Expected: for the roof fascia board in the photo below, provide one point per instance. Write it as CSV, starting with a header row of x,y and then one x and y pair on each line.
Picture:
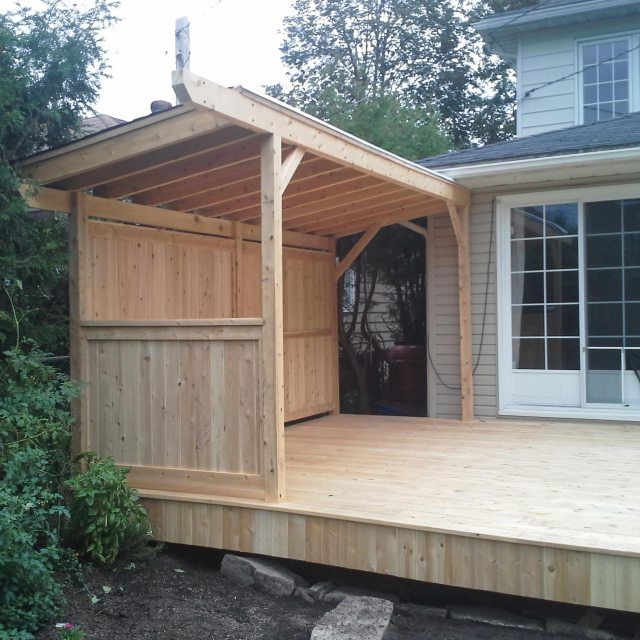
x,y
496,173
263,114
525,19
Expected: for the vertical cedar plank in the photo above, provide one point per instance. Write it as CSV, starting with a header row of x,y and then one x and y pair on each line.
x,y
79,304
460,221
272,312
333,344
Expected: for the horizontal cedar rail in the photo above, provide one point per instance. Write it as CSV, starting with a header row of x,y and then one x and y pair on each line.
x,y
147,330
238,485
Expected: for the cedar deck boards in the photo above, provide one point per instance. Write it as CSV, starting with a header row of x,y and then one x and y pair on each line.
x,y
546,510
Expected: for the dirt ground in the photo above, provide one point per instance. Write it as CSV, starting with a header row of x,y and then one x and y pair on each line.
x,y
179,593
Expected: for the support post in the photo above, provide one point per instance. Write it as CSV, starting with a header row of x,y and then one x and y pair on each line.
x,y
335,357
272,314
460,222
78,311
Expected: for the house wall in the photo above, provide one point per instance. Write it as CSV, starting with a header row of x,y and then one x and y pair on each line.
x,y
443,313
442,306
548,56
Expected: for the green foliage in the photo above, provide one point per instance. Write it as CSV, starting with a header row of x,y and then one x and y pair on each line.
x,y
410,132
34,438
106,519
52,63
424,52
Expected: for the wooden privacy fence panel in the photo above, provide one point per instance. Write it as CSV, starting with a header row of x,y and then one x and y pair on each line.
x,y
310,338
179,404
141,273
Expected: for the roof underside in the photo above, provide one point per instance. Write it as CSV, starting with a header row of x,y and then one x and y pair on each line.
x,y
195,161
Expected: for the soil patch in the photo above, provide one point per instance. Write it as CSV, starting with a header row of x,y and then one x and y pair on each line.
x,y
181,594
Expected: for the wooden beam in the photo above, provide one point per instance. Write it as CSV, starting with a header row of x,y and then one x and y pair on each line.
x,y
185,160
133,140
456,222
460,222
272,343
335,354
289,166
263,114
79,304
331,220
412,226
406,210
357,249
55,200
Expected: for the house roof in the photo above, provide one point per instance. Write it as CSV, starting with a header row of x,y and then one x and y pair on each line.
x,y
204,158
619,133
99,122
501,30
556,13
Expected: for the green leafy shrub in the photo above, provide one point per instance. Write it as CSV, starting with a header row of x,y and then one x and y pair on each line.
x,y
35,427
106,519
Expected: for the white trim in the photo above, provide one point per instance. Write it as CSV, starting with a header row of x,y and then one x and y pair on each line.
x,y
545,162
610,415
503,206
633,38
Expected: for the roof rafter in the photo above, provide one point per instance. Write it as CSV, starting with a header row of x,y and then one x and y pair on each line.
x,y
267,115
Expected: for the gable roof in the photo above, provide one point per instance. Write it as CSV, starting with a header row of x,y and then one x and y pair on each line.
x,y
619,133
556,13
502,30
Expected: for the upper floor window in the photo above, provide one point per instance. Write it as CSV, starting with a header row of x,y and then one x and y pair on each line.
x,y
605,80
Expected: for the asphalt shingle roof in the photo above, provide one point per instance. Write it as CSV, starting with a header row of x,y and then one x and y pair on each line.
x,y
611,134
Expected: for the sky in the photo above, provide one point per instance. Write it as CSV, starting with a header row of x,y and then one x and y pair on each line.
x,y
232,42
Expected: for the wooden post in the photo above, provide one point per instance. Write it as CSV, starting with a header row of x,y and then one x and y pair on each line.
x,y
78,311
335,357
272,314
238,271
460,222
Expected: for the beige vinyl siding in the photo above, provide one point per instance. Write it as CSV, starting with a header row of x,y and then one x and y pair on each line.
x,y
543,59
549,56
444,326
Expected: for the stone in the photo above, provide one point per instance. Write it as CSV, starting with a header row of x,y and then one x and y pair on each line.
x,y
305,594
494,617
319,590
560,627
355,618
264,575
591,619
337,595
599,634
420,611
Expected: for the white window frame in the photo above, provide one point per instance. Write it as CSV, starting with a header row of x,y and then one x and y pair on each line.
x,y
634,69
503,205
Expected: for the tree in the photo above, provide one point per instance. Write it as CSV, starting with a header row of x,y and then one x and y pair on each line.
x,y
52,63
423,52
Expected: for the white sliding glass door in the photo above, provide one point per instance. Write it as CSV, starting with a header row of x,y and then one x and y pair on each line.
x,y
570,302
545,309
612,296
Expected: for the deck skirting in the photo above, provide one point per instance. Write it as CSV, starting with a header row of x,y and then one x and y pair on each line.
x,y
551,573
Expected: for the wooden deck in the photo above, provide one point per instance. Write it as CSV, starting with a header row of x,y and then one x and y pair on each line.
x,y
546,510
